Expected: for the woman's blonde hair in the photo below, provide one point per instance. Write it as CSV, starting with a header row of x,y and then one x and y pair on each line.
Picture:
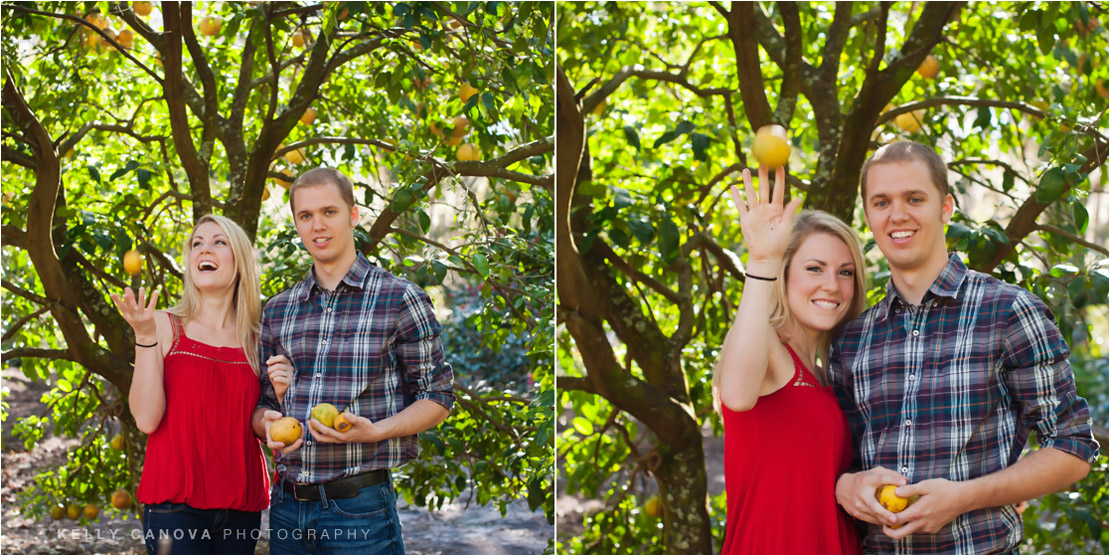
x,y
247,298
806,223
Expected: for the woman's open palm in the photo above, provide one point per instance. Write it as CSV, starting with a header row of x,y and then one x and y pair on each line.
x,y
765,223
138,312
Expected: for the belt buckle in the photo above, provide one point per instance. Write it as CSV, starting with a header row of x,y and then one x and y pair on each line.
x,y
295,496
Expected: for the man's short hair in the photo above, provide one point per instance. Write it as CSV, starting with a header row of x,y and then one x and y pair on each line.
x,y
907,151
324,176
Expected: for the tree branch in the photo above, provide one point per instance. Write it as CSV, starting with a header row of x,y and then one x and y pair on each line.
x,y
1072,237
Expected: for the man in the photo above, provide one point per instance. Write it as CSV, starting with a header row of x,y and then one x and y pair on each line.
x,y
944,379
366,341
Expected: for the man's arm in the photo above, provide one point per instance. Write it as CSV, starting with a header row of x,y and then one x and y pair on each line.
x,y
427,378
1038,377
1044,471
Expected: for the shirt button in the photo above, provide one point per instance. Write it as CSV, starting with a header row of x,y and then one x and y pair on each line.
x,y
898,310
909,422
905,470
317,374
329,309
324,341
916,333
913,377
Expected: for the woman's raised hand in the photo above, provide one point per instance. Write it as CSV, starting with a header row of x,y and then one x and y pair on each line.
x,y
138,313
765,223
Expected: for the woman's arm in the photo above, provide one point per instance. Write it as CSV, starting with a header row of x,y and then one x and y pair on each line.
x,y
147,397
746,353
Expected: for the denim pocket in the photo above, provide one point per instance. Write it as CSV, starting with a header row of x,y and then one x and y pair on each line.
x,y
371,502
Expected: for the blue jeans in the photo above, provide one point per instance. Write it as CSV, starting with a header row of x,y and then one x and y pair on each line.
x,y
366,524
183,530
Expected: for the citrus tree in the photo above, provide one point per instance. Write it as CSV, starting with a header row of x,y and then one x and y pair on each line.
x,y
123,123
657,105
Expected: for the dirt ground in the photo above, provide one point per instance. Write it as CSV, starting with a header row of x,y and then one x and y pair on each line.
x,y
455,529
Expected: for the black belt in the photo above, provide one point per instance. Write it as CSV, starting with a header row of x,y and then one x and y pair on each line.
x,y
340,488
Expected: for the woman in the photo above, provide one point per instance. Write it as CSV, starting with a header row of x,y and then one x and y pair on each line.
x,y
194,389
786,439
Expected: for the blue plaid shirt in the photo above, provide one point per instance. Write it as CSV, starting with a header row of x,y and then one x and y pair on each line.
x,y
370,347
952,388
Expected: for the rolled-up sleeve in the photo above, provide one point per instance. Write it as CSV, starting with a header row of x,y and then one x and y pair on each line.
x,y
427,375
1039,376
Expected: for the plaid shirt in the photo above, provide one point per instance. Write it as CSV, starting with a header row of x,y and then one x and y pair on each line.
x,y
951,389
370,347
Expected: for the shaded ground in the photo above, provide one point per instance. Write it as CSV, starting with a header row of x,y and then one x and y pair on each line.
x,y
456,529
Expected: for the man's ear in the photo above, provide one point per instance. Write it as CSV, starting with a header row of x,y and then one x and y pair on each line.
x,y
354,216
947,208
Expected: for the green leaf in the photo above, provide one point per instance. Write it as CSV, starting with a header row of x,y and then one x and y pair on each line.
x,y
487,101
621,198
481,264
402,199
124,170
425,221
1061,270
641,229
668,239
1052,185
144,176
699,143
583,426
632,136
1079,216
664,139
94,174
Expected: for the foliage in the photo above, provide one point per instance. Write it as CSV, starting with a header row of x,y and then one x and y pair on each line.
x,y
662,101
122,129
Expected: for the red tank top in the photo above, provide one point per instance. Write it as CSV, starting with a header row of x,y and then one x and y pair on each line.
x,y
204,452
782,459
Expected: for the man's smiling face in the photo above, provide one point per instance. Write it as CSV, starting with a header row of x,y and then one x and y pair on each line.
x,y
907,214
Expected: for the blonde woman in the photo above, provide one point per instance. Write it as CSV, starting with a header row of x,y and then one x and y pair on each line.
x,y
194,389
786,439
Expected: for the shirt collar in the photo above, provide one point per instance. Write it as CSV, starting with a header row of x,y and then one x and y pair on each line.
x,y
947,285
355,277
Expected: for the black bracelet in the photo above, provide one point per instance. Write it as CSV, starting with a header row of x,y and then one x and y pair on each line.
x,y
137,344
761,278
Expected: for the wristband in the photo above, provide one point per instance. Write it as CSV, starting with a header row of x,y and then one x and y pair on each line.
x,y
761,278
137,344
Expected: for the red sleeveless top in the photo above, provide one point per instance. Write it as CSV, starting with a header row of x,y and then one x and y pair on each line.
x,y
204,452
782,459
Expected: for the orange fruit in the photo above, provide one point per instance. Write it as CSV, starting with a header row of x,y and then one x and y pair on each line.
x,y
73,511
91,512
308,116
132,262
466,91
325,413
57,512
654,506
341,423
142,8
117,442
466,152
910,122
929,67
286,430
121,499
771,146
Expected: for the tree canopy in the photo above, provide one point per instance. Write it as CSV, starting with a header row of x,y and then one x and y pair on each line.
x,y
657,104
125,122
